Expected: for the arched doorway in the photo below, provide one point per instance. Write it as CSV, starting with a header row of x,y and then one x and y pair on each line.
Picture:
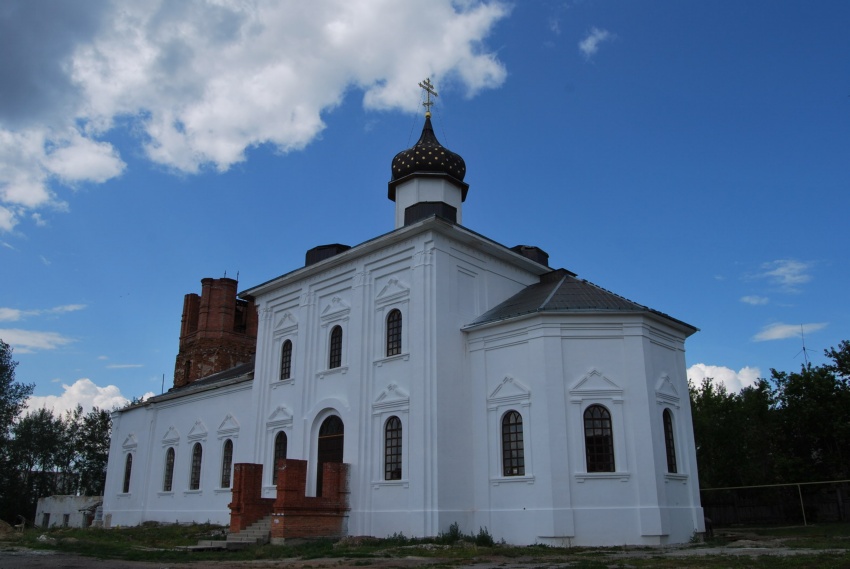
x,y
331,435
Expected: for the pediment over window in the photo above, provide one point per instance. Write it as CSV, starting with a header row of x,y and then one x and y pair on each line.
x,y
509,389
285,321
171,436
228,425
594,383
335,308
130,442
391,397
198,431
665,390
393,291
279,417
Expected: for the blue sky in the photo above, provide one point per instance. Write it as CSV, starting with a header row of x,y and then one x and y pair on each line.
x,y
690,156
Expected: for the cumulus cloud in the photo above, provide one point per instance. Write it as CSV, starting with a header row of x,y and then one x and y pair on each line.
x,y
201,81
780,331
754,300
82,392
788,274
29,341
720,375
590,44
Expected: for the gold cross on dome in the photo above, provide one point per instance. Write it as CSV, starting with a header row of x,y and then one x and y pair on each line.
x,y
429,90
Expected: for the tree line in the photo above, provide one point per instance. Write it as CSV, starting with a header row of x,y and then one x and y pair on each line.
x,y
42,454
794,427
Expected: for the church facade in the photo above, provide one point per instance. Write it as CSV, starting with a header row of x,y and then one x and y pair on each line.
x,y
463,382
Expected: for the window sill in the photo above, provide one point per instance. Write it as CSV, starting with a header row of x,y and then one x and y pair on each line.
x,y
525,478
332,371
124,494
675,477
282,382
164,493
378,484
192,492
222,490
621,476
399,357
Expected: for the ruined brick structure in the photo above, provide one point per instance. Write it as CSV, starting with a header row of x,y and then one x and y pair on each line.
x,y
218,331
294,514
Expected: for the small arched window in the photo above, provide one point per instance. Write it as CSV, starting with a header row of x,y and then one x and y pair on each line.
x,y
669,441
513,451
335,351
598,439
128,470
195,474
286,360
168,475
279,453
394,333
226,463
392,449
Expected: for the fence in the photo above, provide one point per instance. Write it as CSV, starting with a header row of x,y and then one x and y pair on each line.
x,y
795,503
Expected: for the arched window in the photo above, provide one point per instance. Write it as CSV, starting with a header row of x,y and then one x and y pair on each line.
x,y
669,442
330,447
394,333
513,452
195,474
598,439
392,449
128,469
286,360
168,475
226,463
279,453
335,352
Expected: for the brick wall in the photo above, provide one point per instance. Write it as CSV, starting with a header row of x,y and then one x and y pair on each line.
x,y
218,331
248,505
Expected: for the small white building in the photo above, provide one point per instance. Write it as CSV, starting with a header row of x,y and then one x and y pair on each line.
x,y
462,380
66,511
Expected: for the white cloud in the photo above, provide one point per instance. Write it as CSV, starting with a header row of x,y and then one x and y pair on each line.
x,y
720,375
780,331
124,366
590,44
787,273
28,341
82,392
202,81
754,300
14,314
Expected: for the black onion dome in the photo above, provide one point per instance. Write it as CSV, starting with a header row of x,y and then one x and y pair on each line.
x,y
428,156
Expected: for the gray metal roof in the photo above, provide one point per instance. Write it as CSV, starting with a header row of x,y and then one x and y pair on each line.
x,y
561,291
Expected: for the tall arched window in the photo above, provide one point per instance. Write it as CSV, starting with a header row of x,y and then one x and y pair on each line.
x,y
279,453
195,474
669,441
598,439
128,470
335,351
168,475
392,449
226,463
394,333
513,451
330,447
286,360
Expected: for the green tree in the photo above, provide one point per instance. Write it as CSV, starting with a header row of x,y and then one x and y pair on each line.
x,y
92,444
13,396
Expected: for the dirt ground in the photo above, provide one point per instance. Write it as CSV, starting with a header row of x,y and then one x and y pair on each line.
x,y
12,557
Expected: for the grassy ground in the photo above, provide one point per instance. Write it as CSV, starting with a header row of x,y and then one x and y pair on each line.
x,y
823,546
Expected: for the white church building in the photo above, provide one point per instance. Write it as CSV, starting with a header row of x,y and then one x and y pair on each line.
x,y
461,380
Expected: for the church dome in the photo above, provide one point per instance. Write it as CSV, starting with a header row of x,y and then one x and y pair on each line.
x,y
428,156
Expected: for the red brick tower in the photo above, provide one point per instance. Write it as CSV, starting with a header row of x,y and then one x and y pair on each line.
x,y
218,331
